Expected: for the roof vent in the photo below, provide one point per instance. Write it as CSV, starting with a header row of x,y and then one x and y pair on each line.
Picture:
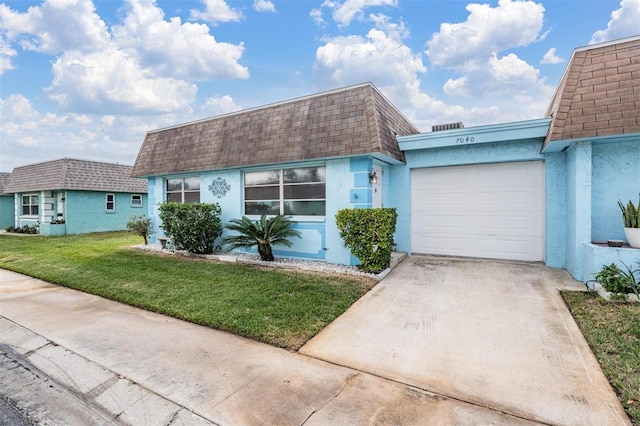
x,y
450,126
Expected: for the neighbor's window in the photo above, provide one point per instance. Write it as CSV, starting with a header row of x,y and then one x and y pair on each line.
x,y
111,202
183,190
136,200
30,205
298,192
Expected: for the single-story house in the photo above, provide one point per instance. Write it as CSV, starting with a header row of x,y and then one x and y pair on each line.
x,y
536,190
70,196
6,203
308,157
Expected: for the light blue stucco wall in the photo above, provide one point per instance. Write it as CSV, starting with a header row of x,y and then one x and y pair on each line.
x,y
595,257
578,205
616,176
347,186
555,209
340,181
399,196
598,174
7,217
85,211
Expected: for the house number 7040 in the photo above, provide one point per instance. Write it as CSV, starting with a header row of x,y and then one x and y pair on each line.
x,y
465,140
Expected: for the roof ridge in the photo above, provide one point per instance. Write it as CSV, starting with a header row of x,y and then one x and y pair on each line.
x,y
63,173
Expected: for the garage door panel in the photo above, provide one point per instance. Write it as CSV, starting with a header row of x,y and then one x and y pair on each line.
x,y
444,223
489,210
504,199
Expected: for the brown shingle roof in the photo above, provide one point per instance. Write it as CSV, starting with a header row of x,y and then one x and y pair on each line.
x,y
351,121
4,180
74,174
599,94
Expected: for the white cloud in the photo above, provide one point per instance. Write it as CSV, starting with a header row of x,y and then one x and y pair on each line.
x,y
624,22
173,49
145,65
264,6
492,88
348,10
486,31
216,11
508,75
316,16
377,57
551,57
41,29
29,136
220,105
17,106
489,76
111,81
6,52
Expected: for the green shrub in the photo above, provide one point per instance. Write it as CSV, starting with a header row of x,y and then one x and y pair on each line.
x,y
141,226
262,233
369,235
192,227
618,281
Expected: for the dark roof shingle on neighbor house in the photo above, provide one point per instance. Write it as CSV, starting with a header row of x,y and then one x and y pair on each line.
x,y
72,174
351,121
599,94
4,180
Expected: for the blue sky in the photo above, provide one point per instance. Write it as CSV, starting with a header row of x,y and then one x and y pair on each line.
x,y
86,79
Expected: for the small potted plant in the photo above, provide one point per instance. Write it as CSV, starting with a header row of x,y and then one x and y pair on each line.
x,y
631,218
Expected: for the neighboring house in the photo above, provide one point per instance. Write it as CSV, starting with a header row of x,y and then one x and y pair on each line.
x,y
70,196
536,190
6,203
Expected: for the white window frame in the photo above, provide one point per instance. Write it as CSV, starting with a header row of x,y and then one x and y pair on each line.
x,y
31,205
281,199
138,196
182,190
107,202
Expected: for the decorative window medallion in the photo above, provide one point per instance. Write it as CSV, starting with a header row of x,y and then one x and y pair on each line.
x,y
219,187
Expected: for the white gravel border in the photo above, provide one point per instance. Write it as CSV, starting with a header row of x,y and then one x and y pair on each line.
x,y
279,262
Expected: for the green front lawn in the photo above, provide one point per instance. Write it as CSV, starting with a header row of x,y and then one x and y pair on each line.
x,y
613,332
280,307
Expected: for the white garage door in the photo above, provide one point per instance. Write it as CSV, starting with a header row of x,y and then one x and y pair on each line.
x,y
488,210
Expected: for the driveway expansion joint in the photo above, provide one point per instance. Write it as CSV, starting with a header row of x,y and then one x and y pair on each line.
x,y
437,394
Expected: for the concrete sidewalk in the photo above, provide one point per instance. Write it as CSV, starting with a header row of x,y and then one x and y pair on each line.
x,y
130,366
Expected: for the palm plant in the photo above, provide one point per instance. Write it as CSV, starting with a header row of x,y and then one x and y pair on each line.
x,y
262,233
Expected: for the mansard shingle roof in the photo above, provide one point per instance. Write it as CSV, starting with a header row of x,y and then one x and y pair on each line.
x,y
356,120
74,174
599,94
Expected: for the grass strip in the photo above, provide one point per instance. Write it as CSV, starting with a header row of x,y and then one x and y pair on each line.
x,y
280,307
613,332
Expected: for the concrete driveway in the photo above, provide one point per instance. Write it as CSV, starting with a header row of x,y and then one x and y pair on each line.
x,y
490,333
